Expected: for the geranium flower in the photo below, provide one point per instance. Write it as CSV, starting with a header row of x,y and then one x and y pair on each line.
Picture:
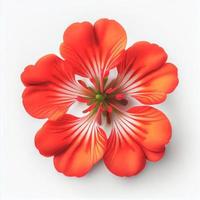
x,y
78,143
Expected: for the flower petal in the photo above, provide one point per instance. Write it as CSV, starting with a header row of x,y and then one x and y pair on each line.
x,y
150,126
141,132
92,49
123,157
152,155
76,143
51,88
154,87
144,75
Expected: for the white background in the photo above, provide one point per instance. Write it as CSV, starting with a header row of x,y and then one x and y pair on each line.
x,y
31,29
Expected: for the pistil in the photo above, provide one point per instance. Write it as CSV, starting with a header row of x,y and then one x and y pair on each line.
x,y
99,97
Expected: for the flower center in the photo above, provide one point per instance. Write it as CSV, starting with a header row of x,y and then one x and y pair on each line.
x,y
102,102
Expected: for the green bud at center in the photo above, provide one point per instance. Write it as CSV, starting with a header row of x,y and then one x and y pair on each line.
x,y
99,97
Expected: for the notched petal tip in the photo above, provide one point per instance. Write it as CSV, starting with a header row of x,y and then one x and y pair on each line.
x,y
91,49
40,71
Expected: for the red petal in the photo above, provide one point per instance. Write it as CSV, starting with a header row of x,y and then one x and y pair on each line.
x,y
123,157
51,88
144,75
141,132
152,155
90,49
150,126
76,143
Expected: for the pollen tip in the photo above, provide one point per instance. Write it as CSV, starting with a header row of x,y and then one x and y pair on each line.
x,y
82,99
109,90
109,109
119,96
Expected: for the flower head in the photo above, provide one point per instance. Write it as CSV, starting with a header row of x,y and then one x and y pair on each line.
x,y
138,133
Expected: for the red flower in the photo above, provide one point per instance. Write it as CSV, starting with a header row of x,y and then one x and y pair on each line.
x,y
137,134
